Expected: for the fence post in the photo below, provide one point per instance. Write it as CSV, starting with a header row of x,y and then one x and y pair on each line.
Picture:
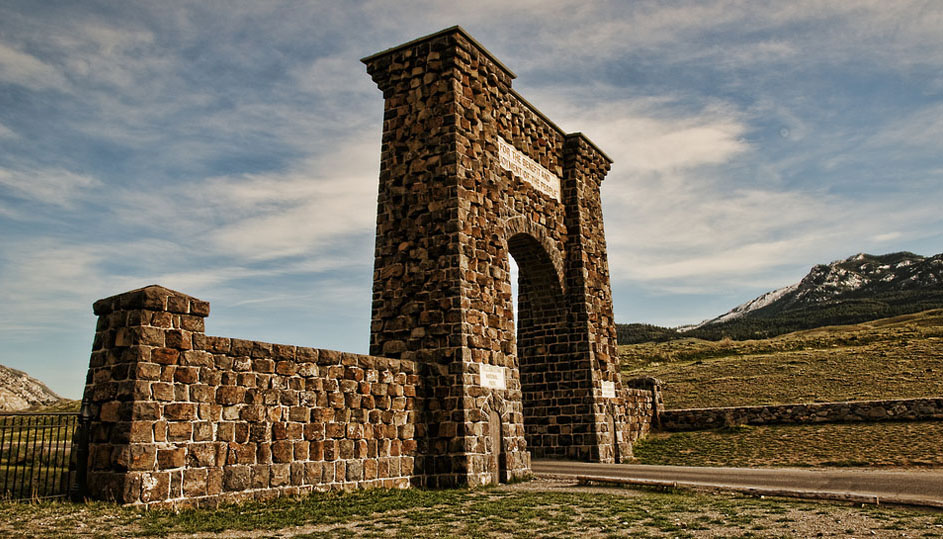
x,y
79,492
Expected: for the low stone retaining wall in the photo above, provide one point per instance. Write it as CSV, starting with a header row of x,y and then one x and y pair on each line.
x,y
644,404
821,412
640,407
181,418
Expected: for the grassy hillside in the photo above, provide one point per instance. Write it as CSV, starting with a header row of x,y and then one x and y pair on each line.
x,y
889,358
64,405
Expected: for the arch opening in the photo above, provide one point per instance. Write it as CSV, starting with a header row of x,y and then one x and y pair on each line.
x,y
540,317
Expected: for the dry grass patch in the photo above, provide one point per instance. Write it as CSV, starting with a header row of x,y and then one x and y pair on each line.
x,y
891,358
856,444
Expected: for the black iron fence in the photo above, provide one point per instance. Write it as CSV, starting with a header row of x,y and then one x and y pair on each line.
x,y
36,455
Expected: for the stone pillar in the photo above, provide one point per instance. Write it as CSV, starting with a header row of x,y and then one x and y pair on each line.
x,y
590,298
139,335
417,311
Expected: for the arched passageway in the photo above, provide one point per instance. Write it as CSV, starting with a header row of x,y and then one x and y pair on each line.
x,y
548,376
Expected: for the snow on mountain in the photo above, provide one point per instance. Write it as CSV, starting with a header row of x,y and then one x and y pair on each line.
x,y
858,274
752,305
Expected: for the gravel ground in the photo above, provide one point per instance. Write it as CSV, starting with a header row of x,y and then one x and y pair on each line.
x,y
537,508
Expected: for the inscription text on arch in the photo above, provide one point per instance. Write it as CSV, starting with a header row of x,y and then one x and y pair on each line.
x,y
529,170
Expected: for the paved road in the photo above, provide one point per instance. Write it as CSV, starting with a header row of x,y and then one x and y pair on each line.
x,y
867,485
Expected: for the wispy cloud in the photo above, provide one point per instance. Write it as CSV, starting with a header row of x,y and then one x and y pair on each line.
x,y
6,132
21,68
319,202
921,128
54,186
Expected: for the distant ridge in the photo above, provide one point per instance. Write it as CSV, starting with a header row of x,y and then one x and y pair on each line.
x,y
857,289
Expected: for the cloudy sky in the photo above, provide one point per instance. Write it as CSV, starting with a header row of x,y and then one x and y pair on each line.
x,y
229,150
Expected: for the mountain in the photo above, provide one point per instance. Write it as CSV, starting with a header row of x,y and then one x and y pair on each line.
x,y
19,391
860,288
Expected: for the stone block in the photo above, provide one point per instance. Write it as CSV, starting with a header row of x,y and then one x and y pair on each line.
x,y
286,368
230,395
214,481
179,431
191,323
177,304
171,458
263,365
137,457
369,469
203,455
282,451
155,486
236,478
241,453
145,411
180,411
202,431
199,308
195,483
138,431
109,411
280,474
260,476
203,393
148,371
179,339
186,375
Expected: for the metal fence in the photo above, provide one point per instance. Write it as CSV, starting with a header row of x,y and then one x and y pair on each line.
x,y
36,455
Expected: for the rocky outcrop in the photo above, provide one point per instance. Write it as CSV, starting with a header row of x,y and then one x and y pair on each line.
x,y
19,391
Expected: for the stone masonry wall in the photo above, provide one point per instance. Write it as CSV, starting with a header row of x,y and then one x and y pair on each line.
x,y
640,409
820,412
182,418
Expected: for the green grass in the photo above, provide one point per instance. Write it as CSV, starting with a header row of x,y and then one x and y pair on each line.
x,y
64,405
286,512
855,444
517,511
890,358
34,455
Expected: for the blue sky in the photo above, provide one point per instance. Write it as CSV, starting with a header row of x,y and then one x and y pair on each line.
x,y
230,150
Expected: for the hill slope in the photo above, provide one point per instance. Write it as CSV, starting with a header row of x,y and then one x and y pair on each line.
x,y
898,357
19,391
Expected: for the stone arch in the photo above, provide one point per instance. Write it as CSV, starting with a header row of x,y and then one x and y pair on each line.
x,y
519,228
544,360
470,174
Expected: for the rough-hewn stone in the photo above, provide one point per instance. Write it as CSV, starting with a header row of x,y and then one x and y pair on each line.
x,y
183,436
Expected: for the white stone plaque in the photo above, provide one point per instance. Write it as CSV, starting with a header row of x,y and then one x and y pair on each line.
x,y
529,170
493,376
609,390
